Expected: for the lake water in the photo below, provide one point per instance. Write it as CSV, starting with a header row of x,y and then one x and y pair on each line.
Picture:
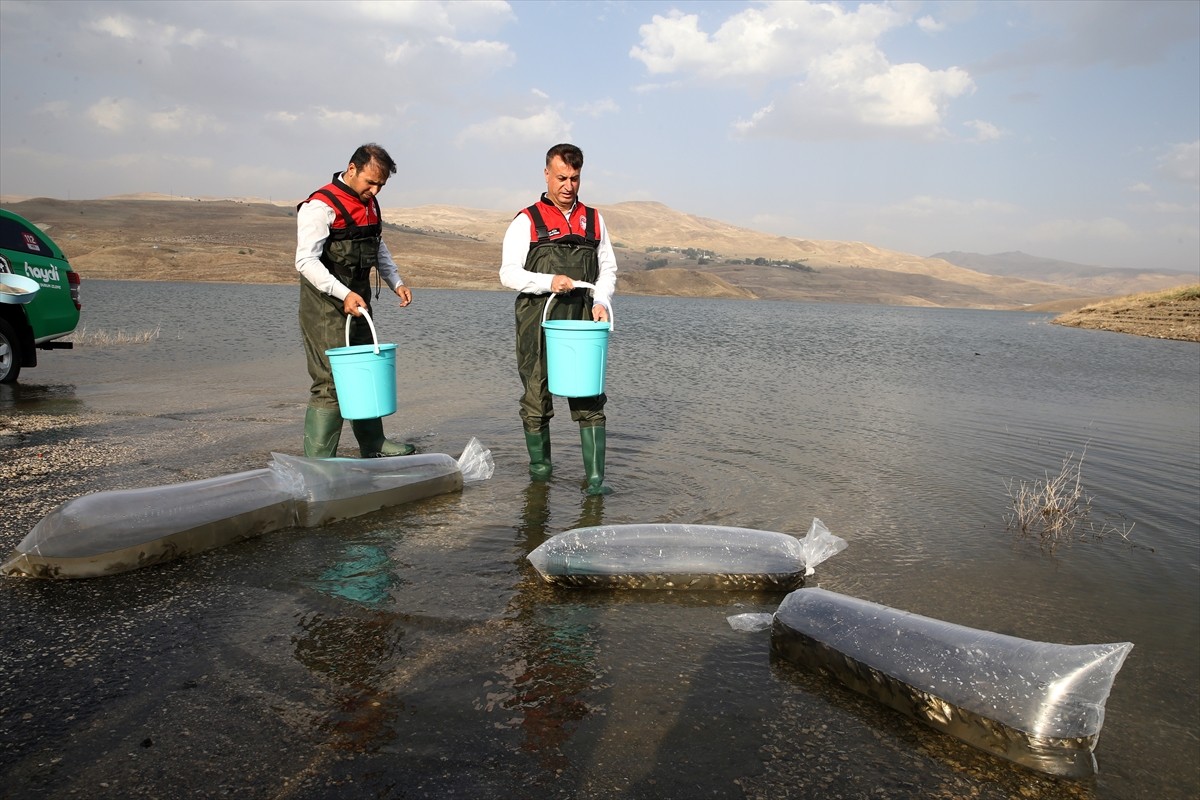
x,y
415,653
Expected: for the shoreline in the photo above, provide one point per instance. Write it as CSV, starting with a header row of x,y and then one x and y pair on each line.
x,y
1173,314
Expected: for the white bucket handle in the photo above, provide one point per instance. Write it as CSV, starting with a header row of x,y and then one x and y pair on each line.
x,y
578,285
374,336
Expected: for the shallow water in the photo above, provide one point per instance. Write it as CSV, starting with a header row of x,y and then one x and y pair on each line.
x,y
416,650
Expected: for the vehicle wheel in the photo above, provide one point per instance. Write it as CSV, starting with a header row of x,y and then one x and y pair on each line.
x,y
10,354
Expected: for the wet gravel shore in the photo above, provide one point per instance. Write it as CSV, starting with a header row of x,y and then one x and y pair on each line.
x,y
49,458
44,461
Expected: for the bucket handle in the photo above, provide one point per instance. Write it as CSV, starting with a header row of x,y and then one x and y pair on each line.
x,y
578,285
374,336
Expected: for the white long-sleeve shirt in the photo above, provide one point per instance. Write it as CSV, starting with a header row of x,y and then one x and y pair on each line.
x,y
313,221
513,274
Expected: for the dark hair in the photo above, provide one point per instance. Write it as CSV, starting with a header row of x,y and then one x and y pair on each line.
x,y
367,153
571,155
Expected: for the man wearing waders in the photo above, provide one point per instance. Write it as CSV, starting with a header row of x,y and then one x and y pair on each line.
x,y
549,246
338,240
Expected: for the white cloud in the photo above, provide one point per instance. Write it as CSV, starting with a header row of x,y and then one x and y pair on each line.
x,y
984,131
117,27
844,97
759,42
341,120
841,81
182,120
543,126
152,36
1182,162
930,25
1139,188
450,53
113,114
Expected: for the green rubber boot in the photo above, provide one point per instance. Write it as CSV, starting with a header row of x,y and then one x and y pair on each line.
x,y
373,444
593,458
322,432
538,444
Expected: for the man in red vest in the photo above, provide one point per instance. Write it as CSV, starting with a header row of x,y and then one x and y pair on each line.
x,y
339,238
549,246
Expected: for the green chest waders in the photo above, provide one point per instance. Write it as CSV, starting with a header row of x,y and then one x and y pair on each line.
x,y
575,257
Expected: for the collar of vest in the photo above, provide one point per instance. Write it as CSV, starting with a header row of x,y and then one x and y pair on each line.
x,y
337,182
545,199
346,204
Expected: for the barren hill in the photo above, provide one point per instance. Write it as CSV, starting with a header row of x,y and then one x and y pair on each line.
x,y
1087,279
661,251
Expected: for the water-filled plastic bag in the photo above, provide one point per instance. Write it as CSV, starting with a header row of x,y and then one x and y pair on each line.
x,y
105,533
1038,704
678,556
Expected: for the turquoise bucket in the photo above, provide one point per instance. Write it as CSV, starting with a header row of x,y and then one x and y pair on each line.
x,y
364,376
576,355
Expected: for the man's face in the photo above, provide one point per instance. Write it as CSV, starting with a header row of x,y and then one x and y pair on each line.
x,y
366,182
562,183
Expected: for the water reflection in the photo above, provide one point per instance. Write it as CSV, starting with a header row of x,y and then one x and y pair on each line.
x,y
364,575
552,669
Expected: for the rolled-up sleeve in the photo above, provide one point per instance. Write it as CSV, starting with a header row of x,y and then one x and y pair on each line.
x,y
312,229
513,274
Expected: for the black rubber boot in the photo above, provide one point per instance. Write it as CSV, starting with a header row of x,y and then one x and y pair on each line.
x,y
322,432
593,458
538,443
373,444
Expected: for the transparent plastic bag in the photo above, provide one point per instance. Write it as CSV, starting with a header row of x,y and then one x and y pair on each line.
x,y
675,556
750,623
115,531
476,463
109,532
340,488
818,545
1038,704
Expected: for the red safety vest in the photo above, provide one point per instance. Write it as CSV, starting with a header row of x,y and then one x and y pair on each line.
x,y
547,223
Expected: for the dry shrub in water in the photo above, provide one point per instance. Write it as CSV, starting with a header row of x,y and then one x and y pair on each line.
x,y
1057,510
82,337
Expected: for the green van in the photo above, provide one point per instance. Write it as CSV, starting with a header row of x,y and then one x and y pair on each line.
x,y
27,326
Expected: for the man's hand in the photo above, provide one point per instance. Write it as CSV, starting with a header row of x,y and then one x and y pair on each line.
x,y
404,294
599,313
352,304
561,284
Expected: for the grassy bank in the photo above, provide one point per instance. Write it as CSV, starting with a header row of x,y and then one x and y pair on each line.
x,y
1169,314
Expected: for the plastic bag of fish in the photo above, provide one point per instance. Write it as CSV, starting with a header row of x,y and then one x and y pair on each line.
x,y
678,556
1038,704
105,533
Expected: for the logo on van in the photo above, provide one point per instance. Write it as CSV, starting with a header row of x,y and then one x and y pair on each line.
x,y
45,276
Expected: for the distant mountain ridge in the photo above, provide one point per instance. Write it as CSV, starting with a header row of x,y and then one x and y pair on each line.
x,y
661,251
1093,280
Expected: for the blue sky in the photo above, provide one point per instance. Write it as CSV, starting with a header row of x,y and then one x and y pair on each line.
x,y
1064,129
